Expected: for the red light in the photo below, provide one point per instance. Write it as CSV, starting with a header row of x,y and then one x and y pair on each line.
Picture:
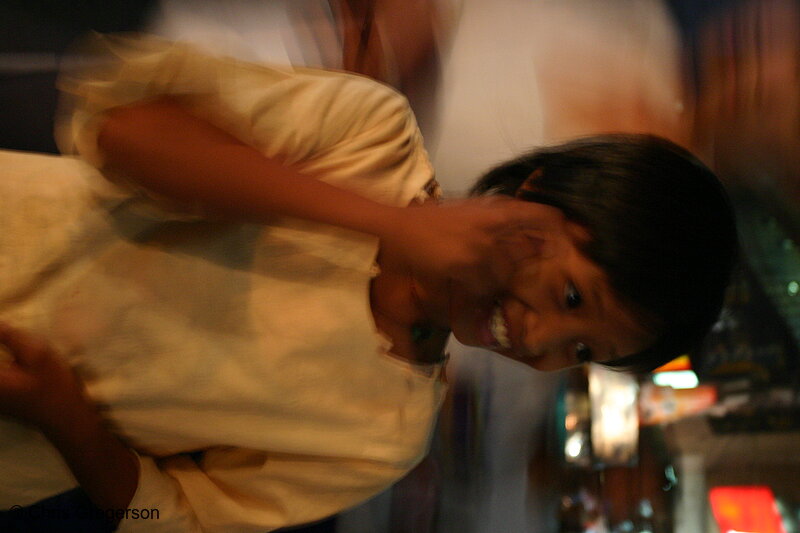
x,y
679,363
749,509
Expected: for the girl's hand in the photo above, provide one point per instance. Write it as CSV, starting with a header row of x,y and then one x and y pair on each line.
x,y
476,242
37,387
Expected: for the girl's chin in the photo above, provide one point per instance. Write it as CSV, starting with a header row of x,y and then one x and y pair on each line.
x,y
470,337
506,353
467,337
464,337
465,317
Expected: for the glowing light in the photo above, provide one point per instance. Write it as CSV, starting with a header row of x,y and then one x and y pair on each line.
x,y
793,288
571,421
615,418
574,445
745,509
682,379
679,363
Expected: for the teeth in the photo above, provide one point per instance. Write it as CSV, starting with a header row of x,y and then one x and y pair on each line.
x,y
498,327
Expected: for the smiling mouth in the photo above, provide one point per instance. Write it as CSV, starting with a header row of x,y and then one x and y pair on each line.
x,y
492,329
499,328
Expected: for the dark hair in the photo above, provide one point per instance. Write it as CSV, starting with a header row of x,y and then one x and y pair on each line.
x,y
661,227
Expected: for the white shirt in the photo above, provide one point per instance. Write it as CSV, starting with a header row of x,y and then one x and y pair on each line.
x,y
253,344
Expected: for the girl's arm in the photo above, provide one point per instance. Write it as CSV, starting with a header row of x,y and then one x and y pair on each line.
x,y
171,152
37,388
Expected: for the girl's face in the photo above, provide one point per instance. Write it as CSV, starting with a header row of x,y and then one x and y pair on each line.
x,y
558,310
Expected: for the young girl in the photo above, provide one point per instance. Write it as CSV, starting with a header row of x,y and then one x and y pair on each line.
x,y
258,303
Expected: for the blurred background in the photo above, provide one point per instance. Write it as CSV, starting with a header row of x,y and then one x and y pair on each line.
x,y
706,444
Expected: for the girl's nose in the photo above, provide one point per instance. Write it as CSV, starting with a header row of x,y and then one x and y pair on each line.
x,y
548,333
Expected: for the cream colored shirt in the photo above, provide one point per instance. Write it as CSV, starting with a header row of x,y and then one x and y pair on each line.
x,y
252,344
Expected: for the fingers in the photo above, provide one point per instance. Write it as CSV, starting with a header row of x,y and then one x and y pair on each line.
x,y
512,231
495,269
12,378
520,245
507,216
504,214
479,242
12,383
26,349
533,216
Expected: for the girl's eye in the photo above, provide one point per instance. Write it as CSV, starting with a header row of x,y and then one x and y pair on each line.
x,y
583,353
572,296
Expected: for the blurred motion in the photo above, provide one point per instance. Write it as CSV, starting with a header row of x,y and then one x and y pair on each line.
x,y
300,32
518,450
748,103
613,397
35,37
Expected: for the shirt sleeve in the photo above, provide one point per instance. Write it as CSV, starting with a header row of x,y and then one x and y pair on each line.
x,y
233,490
346,129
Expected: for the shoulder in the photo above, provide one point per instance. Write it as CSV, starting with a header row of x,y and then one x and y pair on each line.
x,y
347,105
